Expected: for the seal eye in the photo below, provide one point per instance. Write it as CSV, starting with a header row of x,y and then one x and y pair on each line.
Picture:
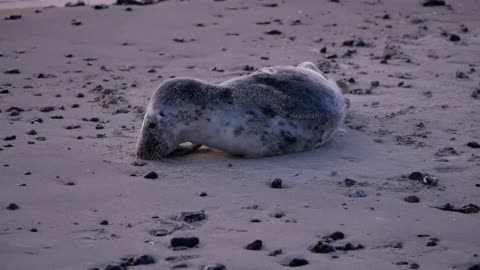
x,y
152,126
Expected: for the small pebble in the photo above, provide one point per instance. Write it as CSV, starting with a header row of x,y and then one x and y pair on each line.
x,y
276,183
216,266
255,245
297,262
184,242
13,207
151,175
412,199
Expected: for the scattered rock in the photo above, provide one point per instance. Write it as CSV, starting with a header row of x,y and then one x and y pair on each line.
x,y
275,252
184,242
476,93
358,194
151,175
454,38
461,75
216,266
433,3
191,217
475,145
75,4
296,262
276,183
412,199
99,7
349,247
13,207
12,71
322,248
335,236
465,209
13,17
47,109
32,132
255,245
104,222
418,176
431,244
273,33
474,267
70,127
10,138
349,182
446,151
139,260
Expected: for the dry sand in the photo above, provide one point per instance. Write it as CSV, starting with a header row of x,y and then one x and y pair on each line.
x,y
73,174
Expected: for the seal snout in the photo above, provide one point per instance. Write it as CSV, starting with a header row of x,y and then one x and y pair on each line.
x,y
150,145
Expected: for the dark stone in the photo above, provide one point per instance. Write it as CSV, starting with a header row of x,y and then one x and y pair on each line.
x,y
33,230
454,38
415,266
275,252
273,32
349,247
10,138
255,245
13,17
323,248
203,194
115,267
323,50
335,236
191,217
32,132
412,199
474,267
75,4
349,182
47,109
13,207
416,176
276,183
104,222
358,194
473,145
348,43
433,3
216,266
151,175
465,209
140,260
248,68
16,109
431,244
12,71
184,242
99,7
297,262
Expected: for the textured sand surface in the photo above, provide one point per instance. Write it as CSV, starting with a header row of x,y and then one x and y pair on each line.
x,y
76,172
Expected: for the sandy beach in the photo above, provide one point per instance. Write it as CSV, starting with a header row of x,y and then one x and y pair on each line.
x,y
74,83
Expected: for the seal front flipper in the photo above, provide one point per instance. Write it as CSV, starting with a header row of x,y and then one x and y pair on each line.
x,y
185,149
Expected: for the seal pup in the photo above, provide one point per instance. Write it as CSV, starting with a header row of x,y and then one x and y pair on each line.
x,y
273,111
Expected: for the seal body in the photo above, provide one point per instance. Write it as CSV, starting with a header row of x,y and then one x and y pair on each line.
x,y
273,111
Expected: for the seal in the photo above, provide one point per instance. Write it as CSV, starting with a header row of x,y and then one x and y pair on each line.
x,y
273,111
